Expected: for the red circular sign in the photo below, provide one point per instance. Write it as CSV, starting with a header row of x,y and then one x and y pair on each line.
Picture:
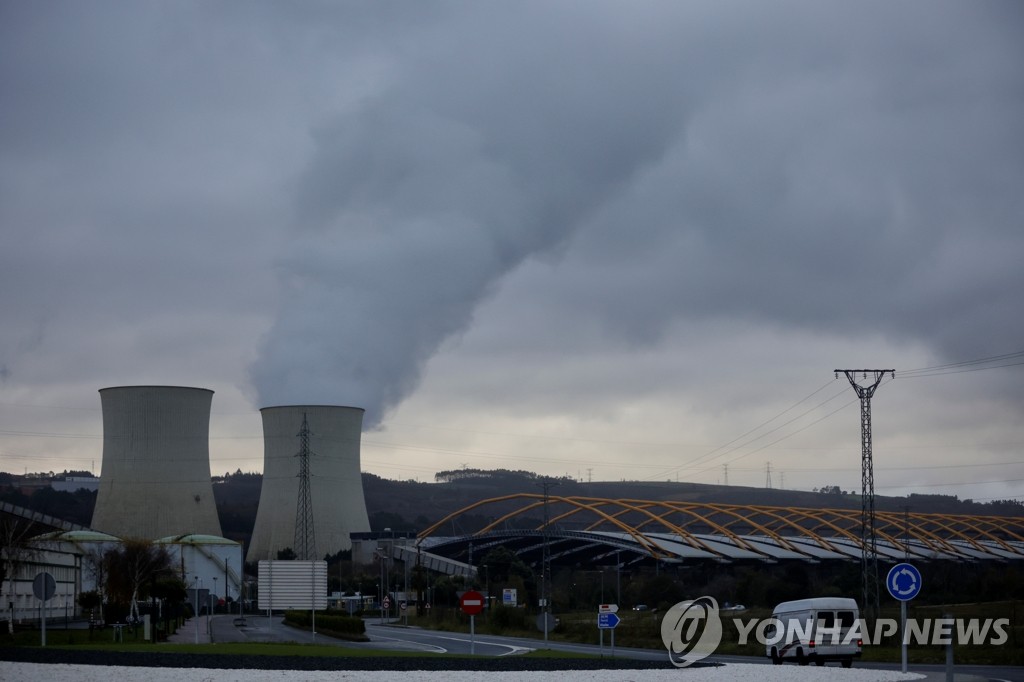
x,y
471,602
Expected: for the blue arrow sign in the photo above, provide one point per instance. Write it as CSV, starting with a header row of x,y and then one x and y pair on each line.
x,y
607,621
903,582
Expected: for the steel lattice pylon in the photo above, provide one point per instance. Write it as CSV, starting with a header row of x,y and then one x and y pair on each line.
x,y
868,537
305,535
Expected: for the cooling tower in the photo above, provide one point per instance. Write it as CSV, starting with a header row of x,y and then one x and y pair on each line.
x,y
155,480
335,481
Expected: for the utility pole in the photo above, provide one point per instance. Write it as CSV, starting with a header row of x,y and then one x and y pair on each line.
x,y
767,474
725,474
868,540
305,536
545,571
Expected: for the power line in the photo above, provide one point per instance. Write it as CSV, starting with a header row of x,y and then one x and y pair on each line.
x,y
711,454
965,366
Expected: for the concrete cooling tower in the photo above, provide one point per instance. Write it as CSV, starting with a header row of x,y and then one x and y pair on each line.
x,y
155,480
335,483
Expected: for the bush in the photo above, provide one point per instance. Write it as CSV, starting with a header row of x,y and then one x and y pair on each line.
x,y
330,623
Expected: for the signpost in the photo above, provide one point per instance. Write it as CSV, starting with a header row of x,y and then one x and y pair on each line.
x,y
903,583
607,620
472,603
43,586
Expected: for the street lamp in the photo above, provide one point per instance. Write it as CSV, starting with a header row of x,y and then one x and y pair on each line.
x,y
197,585
383,583
209,614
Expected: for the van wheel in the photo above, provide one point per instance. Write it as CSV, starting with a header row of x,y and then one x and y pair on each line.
x,y
819,662
800,658
847,662
776,659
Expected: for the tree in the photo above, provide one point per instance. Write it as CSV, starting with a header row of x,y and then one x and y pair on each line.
x,y
15,550
131,570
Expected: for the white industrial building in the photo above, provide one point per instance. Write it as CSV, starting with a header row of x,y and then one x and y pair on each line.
x,y
335,479
19,601
210,564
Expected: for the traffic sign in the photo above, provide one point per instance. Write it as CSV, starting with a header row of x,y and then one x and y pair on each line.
x,y
471,602
43,586
387,602
903,582
607,608
401,605
607,621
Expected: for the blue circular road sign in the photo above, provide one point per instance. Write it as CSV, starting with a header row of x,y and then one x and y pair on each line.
x,y
903,582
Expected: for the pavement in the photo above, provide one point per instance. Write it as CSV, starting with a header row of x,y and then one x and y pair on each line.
x,y
259,628
193,631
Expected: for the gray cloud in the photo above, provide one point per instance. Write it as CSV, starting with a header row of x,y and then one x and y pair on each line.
x,y
344,202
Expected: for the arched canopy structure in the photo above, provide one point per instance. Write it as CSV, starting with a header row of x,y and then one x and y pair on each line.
x,y
599,530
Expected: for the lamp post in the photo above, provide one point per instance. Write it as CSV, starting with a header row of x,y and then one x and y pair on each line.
x,y
197,585
545,572
618,581
209,614
383,583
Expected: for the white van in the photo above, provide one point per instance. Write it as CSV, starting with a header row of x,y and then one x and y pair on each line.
x,y
815,630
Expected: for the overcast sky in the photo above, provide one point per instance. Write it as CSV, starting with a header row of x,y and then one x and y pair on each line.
x,y
604,239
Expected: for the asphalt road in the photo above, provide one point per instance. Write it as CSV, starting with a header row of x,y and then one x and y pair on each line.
x,y
395,637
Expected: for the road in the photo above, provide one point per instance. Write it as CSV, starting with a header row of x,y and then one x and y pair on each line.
x,y
398,638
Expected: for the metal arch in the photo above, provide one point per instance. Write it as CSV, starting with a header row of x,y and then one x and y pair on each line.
x,y
941,521
810,515
849,517
974,524
652,547
933,541
771,513
933,531
947,522
757,510
691,509
993,521
684,534
643,540
468,508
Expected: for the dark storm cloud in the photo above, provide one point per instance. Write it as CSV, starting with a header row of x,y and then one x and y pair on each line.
x,y
326,193
806,165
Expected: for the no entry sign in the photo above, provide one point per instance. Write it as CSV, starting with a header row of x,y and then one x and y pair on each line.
x,y
471,602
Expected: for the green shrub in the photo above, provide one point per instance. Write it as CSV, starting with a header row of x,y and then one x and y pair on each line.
x,y
329,622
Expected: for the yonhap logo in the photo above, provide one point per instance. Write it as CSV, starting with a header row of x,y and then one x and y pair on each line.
x,y
691,630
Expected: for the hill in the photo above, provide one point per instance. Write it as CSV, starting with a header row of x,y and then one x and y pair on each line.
x,y
413,506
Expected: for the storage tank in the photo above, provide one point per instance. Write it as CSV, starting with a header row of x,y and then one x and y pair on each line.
x,y
155,480
335,480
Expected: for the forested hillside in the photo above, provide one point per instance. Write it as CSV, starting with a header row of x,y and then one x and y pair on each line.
x,y
413,506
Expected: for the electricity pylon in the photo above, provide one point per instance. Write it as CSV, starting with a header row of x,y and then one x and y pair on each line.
x,y
868,540
305,535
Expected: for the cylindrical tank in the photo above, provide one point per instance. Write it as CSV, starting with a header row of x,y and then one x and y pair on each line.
x,y
335,480
155,479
